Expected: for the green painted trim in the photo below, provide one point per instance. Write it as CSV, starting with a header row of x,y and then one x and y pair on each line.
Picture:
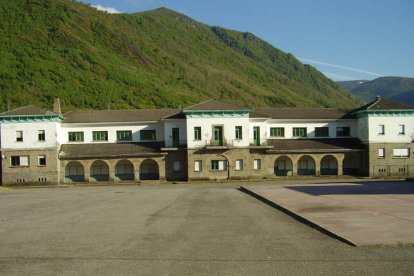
x,y
31,118
216,113
384,113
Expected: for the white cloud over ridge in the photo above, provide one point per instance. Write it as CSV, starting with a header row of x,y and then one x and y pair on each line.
x,y
105,9
341,67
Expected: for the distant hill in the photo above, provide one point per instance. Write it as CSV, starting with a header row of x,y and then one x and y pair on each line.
x,y
393,88
160,58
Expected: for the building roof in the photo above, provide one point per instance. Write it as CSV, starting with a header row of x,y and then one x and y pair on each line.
x,y
29,110
314,145
132,115
214,105
301,113
382,104
108,150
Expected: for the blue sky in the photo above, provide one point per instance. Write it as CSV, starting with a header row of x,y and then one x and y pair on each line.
x,y
345,39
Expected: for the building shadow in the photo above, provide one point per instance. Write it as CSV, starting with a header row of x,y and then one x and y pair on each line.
x,y
358,188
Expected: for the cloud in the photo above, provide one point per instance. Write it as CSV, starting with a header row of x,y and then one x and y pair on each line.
x,y
338,77
105,9
341,67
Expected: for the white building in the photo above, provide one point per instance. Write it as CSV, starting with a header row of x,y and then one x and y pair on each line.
x,y
211,140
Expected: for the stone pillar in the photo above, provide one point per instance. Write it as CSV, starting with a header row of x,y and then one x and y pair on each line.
x,y
111,168
137,164
161,167
87,170
340,159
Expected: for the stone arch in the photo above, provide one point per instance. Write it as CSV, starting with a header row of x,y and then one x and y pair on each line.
x,y
306,165
124,170
329,165
74,172
283,166
99,171
149,170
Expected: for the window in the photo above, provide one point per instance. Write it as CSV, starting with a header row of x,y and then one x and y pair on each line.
x,y
277,132
381,153
41,160
257,164
99,135
19,161
176,166
381,129
239,165
321,131
76,136
148,134
124,135
401,129
19,136
41,135
197,133
299,132
343,131
198,165
239,132
218,165
401,153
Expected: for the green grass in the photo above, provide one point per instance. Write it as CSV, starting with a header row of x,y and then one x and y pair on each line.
x,y
91,59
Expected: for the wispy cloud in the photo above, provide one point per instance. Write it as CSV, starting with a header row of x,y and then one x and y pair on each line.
x,y
338,77
341,67
105,9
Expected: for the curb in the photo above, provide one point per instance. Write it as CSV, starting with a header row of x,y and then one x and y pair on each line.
x,y
297,216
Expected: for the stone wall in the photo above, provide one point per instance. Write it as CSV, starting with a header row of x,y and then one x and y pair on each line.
x,y
32,174
390,166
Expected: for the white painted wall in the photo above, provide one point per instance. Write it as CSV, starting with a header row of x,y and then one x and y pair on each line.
x,y
311,125
391,129
169,125
112,129
30,137
229,132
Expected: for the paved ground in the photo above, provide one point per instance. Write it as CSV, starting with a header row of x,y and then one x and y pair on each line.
x,y
366,213
172,230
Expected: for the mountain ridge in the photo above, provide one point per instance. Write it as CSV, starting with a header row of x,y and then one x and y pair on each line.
x,y
159,58
399,89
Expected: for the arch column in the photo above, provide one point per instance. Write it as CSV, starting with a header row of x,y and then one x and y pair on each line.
x,y
87,167
340,158
318,160
295,160
111,165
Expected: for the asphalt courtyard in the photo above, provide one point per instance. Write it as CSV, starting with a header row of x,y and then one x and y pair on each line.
x,y
172,230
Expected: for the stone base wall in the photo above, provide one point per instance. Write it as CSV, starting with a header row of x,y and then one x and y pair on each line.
x,y
390,166
32,174
176,175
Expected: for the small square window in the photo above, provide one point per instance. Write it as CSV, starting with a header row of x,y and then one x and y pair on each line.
x,y
41,160
239,132
401,129
198,165
124,135
381,129
100,135
19,136
41,135
257,164
197,133
19,161
239,165
277,132
381,153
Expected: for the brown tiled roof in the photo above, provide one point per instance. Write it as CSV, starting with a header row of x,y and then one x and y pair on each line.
x,y
110,116
28,110
215,105
314,145
382,104
301,113
107,150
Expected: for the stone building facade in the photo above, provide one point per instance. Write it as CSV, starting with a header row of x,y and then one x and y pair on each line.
x,y
212,140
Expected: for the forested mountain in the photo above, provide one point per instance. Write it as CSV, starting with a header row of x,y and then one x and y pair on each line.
x,y
393,88
160,58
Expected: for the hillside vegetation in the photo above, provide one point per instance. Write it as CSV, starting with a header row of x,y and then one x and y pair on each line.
x,y
397,89
92,60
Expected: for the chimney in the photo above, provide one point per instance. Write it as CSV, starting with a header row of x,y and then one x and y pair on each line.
x,y
378,97
56,106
